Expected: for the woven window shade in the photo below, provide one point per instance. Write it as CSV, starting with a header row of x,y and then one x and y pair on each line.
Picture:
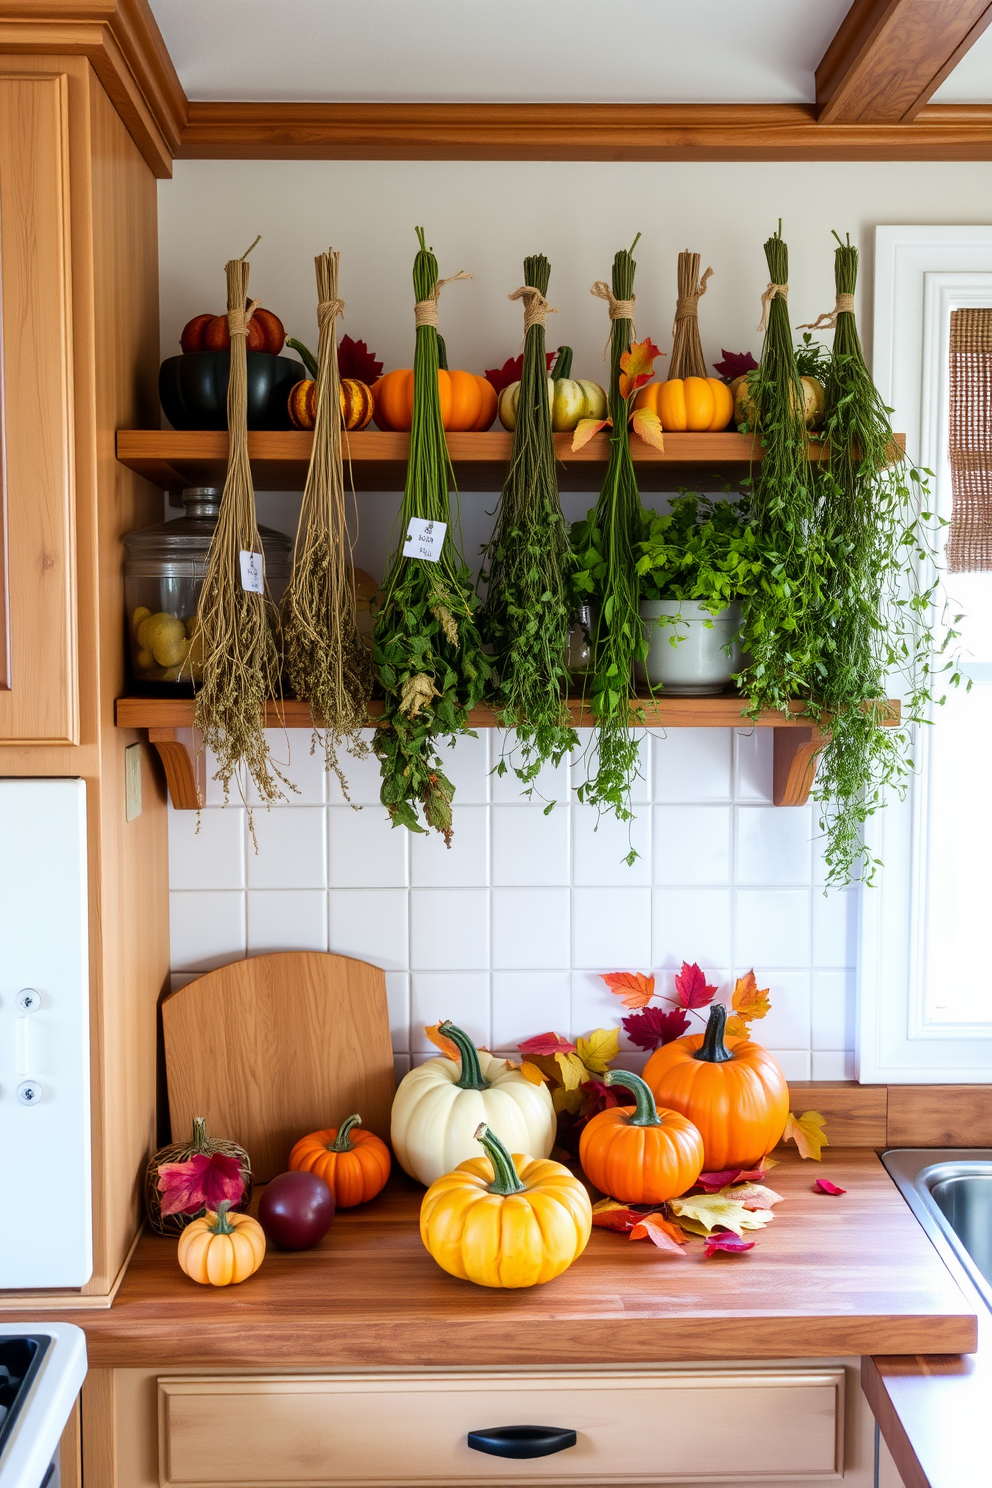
x,y
969,546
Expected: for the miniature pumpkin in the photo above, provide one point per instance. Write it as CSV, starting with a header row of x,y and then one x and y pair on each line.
x,y
357,405
640,1154
733,1091
222,1249
504,1221
694,403
571,399
467,401
814,401
439,1105
198,1145
354,1164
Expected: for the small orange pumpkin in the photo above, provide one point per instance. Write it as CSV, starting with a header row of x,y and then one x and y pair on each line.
x,y
640,1154
221,1249
694,403
353,1164
357,404
467,400
734,1092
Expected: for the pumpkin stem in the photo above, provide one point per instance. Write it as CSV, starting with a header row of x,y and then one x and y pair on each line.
x,y
222,1225
200,1134
645,1112
342,1142
442,353
562,368
471,1075
713,1050
306,357
506,1179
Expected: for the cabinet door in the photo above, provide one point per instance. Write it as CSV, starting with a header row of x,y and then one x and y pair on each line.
x,y
38,702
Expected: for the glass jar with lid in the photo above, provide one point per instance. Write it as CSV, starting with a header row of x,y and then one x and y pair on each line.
x,y
164,569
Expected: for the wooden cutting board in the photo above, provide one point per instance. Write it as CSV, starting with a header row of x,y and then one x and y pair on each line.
x,y
273,1047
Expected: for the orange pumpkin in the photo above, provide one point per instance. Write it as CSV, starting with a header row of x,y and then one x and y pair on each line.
x,y
640,1154
353,1164
357,404
733,1091
695,403
467,401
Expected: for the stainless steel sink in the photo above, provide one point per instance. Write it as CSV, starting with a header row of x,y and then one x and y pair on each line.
x,y
950,1192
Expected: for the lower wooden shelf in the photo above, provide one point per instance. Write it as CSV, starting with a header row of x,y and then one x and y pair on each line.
x,y
798,740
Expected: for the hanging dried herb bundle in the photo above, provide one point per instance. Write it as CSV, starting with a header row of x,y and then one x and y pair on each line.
x,y
236,618
427,651
877,609
329,665
782,618
687,351
528,607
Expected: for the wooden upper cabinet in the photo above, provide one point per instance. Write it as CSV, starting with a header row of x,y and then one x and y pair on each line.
x,y
38,684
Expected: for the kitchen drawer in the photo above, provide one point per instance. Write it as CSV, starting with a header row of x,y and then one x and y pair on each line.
x,y
634,1425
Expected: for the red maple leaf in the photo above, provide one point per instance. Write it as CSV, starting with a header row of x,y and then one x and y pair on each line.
x,y
355,360
546,1043
654,1027
692,990
823,1185
726,1241
713,1182
600,1097
734,364
511,371
200,1183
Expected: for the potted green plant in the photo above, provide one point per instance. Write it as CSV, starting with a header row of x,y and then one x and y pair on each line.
x,y
695,563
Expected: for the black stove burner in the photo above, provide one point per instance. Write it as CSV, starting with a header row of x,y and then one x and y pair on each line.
x,y
20,1360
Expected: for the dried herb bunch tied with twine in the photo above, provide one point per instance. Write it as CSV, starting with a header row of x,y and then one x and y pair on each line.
x,y
877,607
687,350
237,627
329,666
427,649
529,560
782,617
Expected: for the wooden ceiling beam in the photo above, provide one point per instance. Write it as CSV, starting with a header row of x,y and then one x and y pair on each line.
x,y
889,57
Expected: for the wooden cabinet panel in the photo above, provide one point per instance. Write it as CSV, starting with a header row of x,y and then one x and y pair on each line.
x,y
633,1426
38,701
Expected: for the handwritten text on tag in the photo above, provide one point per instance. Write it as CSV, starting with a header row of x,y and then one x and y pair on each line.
x,y
424,539
252,572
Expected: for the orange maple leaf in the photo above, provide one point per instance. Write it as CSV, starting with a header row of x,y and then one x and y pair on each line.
x,y
635,990
637,366
737,1028
667,1237
749,1000
807,1133
585,429
446,1045
647,426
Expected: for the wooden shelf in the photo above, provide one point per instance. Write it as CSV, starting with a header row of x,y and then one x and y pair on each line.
x,y
798,741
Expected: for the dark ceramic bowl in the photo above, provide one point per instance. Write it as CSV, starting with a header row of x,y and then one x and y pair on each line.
x,y
193,389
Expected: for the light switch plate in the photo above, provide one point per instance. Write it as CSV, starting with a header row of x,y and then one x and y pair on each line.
x,y
132,782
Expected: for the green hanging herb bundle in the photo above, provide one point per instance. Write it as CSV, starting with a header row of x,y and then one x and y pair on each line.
x,y
529,561
427,650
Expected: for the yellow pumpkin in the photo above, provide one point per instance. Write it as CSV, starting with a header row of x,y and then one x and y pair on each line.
x,y
814,400
695,403
504,1221
222,1249
357,404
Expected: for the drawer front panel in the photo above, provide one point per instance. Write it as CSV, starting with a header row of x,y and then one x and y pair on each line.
x,y
633,1426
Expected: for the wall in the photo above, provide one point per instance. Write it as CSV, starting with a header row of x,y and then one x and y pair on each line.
x,y
509,931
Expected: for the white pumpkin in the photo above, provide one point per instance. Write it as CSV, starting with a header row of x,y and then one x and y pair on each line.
x,y
439,1106
569,399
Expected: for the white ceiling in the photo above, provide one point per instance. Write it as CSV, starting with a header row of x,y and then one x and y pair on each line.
x,y
971,80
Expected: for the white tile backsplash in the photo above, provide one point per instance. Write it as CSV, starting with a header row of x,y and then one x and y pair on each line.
x,y
508,931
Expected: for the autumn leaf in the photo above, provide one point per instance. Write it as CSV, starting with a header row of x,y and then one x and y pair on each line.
x,y
609,1214
511,371
807,1133
654,1027
752,1195
749,1000
569,1101
734,364
636,991
714,1182
647,426
598,1049
573,1071
703,1213
201,1182
692,990
824,1186
637,366
599,1097
668,1237
546,1043
531,1072
585,429
721,1241
447,1046
356,361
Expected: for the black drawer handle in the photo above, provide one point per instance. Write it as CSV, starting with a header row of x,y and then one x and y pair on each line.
x,y
521,1441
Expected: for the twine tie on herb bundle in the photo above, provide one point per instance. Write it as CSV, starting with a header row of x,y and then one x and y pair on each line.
x,y
328,312
828,320
425,311
237,319
619,309
687,305
782,290
687,350
536,307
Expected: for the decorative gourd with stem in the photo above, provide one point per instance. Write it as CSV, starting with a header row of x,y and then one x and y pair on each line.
x,y
427,650
222,1248
353,1163
439,1105
732,1090
528,608
504,1221
640,1154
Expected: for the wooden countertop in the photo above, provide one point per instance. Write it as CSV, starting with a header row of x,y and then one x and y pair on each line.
x,y
830,1276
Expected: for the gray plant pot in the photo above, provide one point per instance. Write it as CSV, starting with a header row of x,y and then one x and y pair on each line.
x,y
691,653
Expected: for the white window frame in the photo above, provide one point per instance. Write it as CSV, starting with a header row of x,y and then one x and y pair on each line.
x,y
921,275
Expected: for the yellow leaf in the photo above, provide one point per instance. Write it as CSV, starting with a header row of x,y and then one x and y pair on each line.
x,y
573,1071
647,426
807,1133
566,1100
702,1213
749,1000
635,990
737,1028
752,1195
585,429
599,1048
637,366
448,1048
531,1072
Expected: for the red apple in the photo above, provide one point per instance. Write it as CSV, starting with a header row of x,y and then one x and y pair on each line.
x,y
296,1210
192,336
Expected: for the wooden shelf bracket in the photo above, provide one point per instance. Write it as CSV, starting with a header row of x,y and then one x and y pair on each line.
x,y
796,755
184,761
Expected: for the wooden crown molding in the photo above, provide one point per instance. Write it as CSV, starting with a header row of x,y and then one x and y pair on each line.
x,y
890,56
122,41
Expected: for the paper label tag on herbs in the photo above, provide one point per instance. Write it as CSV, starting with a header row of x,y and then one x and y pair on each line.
x,y
252,572
424,539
